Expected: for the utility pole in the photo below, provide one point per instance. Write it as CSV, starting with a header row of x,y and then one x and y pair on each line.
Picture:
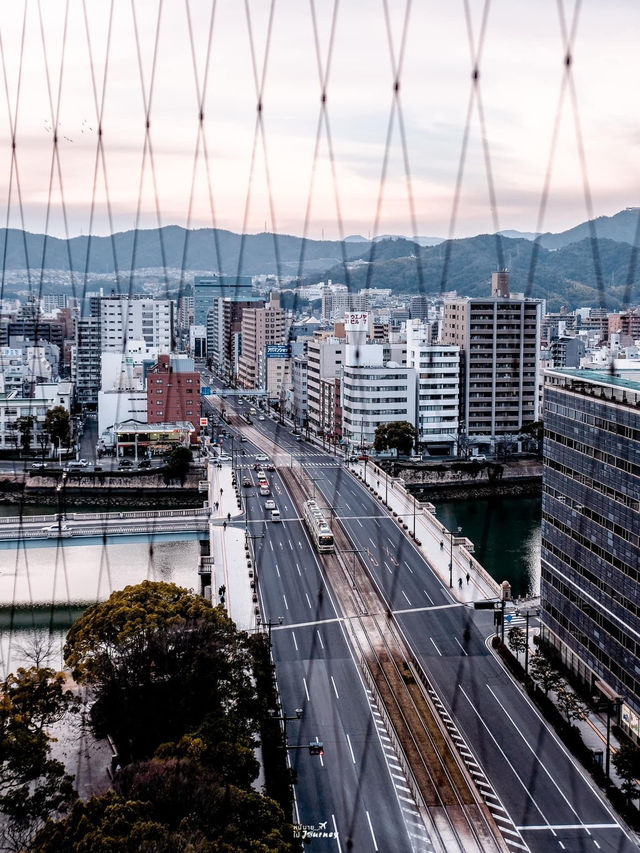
x,y
354,551
451,535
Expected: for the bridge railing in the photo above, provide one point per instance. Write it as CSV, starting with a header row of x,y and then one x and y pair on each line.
x,y
12,520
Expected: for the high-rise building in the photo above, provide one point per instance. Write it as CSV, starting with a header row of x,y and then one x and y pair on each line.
x,y
373,391
260,327
325,357
123,319
590,579
85,361
338,301
437,368
206,289
499,340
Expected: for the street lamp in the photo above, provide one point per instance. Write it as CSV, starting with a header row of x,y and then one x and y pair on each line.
x,y
451,535
268,623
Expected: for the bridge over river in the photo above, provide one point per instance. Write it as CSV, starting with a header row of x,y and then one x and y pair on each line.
x,y
80,524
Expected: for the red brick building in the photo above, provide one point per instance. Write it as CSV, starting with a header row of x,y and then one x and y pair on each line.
x,y
173,392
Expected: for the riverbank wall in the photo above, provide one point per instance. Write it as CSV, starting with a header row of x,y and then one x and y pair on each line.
x,y
142,489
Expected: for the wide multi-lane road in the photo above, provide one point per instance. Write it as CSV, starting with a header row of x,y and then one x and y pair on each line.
x,y
552,804
357,788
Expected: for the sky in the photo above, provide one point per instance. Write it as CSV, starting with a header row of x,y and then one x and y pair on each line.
x,y
304,170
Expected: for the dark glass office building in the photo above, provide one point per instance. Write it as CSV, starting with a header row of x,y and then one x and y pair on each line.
x,y
590,587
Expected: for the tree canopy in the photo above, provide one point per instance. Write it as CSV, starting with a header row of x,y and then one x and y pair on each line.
x,y
32,784
160,659
57,425
397,435
178,688
178,464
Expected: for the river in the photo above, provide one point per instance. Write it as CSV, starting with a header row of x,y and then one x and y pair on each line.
x,y
506,535
45,585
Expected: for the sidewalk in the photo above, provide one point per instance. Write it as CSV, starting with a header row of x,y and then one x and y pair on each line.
x,y
437,544
230,568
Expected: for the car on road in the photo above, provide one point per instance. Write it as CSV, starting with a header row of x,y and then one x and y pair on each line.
x,y
37,466
144,463
298,438
125,463
78,463
275,515
262,457
264,491
243,438
270,504
271,467
261,418
479,457
57,530
247,482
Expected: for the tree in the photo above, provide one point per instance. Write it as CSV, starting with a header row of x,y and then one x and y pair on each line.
x,y
160,659
25,428
57,423
32,784
627,763
543,673
178,464
399,435
569,704
517,639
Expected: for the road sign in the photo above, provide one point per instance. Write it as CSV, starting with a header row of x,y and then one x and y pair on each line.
x,y
205,390
509,617
204,421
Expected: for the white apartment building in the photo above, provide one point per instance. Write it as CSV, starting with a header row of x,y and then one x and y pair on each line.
x,y
437,368
148,320
325,357
14,406
373,392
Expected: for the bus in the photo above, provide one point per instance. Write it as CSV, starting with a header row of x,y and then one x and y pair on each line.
x,y
318,528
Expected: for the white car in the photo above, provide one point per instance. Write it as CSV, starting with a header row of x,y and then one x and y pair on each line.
x,y
270,504
57,530
262,457
261,418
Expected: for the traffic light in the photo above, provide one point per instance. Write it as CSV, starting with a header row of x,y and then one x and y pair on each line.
x,y
316,748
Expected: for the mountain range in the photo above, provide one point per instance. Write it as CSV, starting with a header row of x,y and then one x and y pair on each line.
x,y
593,263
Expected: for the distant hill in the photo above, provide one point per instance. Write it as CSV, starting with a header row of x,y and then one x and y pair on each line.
x,y
622,227
566,276
569,268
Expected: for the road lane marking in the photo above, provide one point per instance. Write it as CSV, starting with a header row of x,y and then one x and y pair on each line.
x,y
320,638
408,566
506,759
353,758
285,600
306,689
435,647
304,624
336,836
547,827
388,567
335,689
407,598
428,596
270,544
294,640
464,651
278,571
359,522
373,544
298,568
375,843
308,599
550,776
434,607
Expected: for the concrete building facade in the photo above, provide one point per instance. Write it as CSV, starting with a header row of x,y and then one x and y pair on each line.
x,y
590,558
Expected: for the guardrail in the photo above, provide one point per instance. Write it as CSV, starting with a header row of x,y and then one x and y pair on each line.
x,y
13,520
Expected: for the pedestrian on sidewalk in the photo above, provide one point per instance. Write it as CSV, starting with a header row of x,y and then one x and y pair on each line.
x,y
216,505
224,525
459,583
468,577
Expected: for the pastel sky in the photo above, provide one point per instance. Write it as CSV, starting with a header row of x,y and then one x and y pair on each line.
x,y
521,72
